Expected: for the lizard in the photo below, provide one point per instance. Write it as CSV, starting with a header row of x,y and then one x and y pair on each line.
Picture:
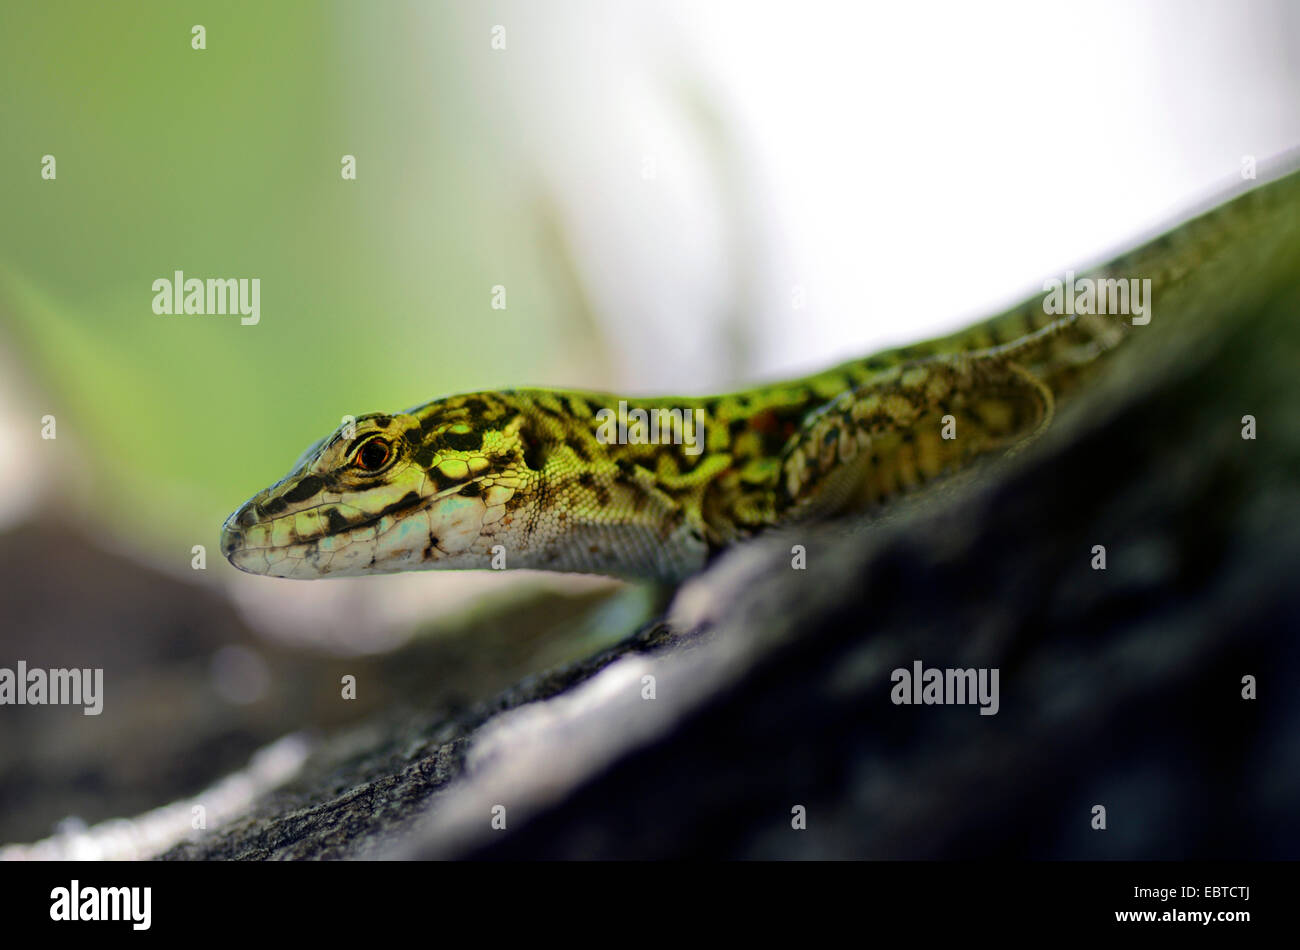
x,y
528,478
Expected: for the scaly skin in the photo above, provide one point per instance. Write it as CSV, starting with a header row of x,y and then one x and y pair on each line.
x,y
523,474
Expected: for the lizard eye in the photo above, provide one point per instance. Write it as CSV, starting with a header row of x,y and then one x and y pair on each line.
x,y
373,455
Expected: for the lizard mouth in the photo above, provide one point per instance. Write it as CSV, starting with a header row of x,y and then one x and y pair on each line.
x,y
341,539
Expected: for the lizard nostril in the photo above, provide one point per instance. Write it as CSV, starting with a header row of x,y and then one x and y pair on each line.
x,y
231,539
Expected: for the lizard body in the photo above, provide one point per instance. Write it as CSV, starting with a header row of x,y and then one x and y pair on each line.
x,y
525,478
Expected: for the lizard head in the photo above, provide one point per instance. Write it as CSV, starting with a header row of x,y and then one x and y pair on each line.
x,y
388,493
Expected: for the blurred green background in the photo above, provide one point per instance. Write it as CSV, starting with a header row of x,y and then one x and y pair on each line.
x,y
225,162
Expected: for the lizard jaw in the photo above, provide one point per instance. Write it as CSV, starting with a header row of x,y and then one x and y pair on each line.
x,y
337,539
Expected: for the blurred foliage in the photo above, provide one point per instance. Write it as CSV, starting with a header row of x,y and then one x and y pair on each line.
x,y
225,162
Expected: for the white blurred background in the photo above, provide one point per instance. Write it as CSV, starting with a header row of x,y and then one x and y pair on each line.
x,y
902,167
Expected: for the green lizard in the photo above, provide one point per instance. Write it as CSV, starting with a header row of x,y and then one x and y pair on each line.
x,y
526,478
